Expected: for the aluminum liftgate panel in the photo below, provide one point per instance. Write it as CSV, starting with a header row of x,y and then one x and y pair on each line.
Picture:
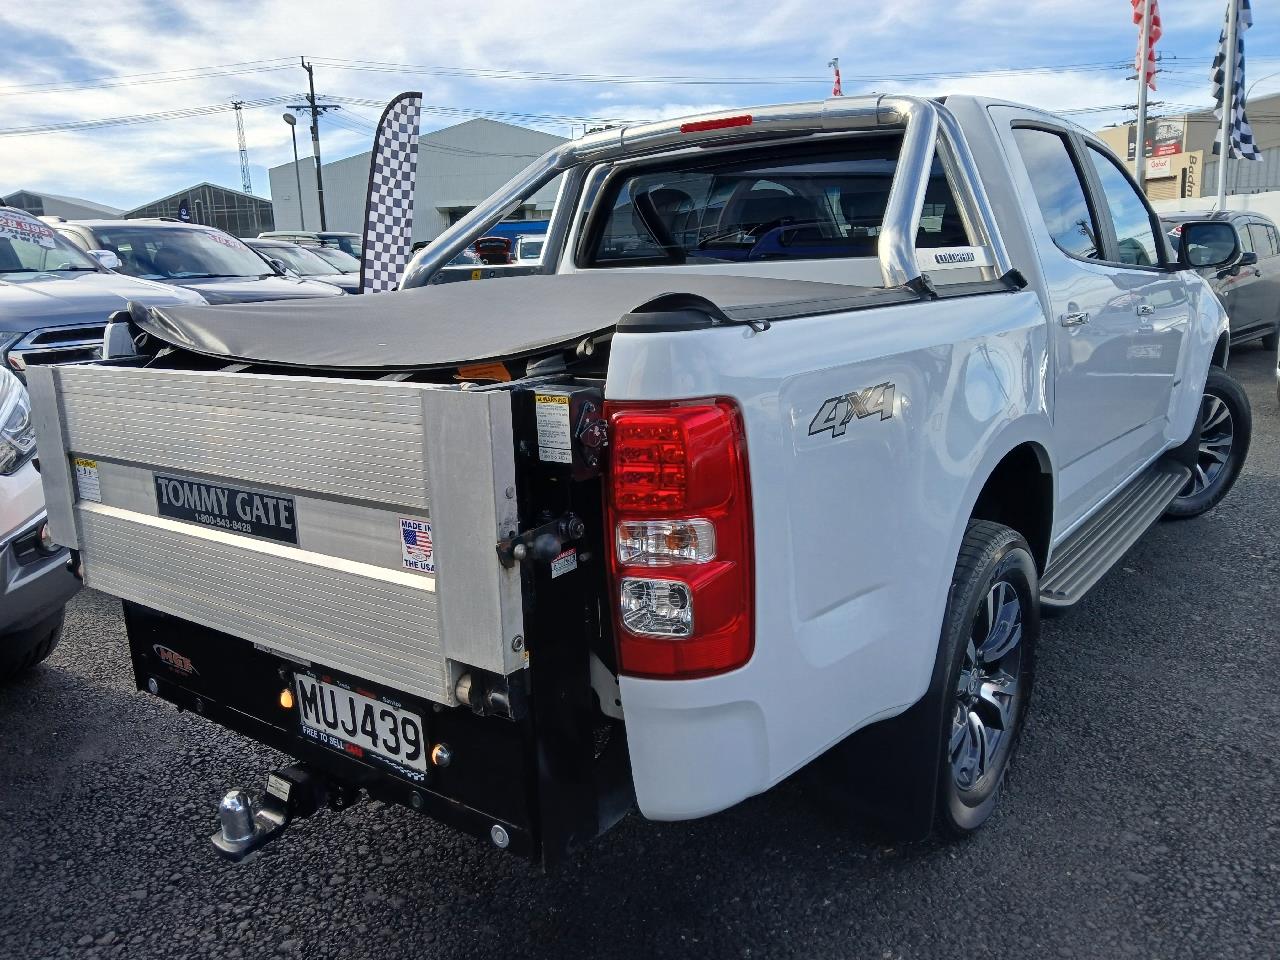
x,y
369,478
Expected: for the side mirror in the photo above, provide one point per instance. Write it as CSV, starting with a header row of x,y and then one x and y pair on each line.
x,y
1247,259
107,258
283,268
1206,244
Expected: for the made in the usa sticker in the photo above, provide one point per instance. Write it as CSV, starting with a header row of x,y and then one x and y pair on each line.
x,y
417,552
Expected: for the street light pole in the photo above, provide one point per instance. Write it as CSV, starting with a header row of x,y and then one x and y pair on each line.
x,y
292,121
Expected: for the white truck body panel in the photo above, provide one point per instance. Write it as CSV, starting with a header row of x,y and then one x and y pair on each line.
x,y
856,536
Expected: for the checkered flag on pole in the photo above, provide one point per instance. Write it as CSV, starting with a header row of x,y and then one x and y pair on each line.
x,y
1243,146
388,213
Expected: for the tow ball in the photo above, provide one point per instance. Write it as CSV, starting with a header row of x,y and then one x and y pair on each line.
x,y
293,793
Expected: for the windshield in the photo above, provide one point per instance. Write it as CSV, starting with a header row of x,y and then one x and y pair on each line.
x,y
29,246
344,261
179,253
300,260
349,243
530,249
802,202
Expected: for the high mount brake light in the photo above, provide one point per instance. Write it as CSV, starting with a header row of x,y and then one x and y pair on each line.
x,y
681,556
723,123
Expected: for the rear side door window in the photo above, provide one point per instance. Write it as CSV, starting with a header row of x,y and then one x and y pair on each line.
x,y
1136,241
1059,192
1261,238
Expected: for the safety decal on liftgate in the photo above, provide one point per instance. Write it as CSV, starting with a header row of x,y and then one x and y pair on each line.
x,y
87,484
555,435
565,562
417,552
836,412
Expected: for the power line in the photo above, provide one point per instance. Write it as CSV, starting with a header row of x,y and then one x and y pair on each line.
x,y
486,73
478,112
139,79
181,113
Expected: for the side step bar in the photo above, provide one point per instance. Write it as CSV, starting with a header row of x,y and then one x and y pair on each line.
x,y
1087,554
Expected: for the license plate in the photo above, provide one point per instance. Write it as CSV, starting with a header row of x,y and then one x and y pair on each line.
x,y
254,512
356,724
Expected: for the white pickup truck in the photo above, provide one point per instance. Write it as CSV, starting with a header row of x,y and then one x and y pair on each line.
x,y
805,415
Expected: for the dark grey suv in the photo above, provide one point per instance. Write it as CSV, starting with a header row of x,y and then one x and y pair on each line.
x,y
1250,289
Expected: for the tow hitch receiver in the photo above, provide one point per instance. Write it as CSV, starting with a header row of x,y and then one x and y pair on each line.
x,y
292,793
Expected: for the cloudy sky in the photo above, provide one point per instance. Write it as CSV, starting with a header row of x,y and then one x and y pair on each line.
x,y
552,65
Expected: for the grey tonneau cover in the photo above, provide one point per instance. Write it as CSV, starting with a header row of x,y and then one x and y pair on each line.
x,y
458,323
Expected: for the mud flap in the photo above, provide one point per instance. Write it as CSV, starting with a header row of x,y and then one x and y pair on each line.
x,y
890,768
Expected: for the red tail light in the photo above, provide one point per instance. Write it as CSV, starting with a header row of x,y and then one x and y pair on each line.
x,y
679,511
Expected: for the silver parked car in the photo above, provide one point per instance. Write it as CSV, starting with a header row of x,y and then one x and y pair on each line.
x,y
35,583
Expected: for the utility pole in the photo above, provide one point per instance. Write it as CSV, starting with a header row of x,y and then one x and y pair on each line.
x,y
1228,101
244,149
1144,53
316,109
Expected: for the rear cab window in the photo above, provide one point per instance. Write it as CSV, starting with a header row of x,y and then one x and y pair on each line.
x,y
807,203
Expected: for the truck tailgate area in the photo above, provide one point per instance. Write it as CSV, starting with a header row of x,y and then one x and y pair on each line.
x,y
325,520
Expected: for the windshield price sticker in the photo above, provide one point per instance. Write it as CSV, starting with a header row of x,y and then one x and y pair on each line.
x,y
87,484
258,514
555,436
17,227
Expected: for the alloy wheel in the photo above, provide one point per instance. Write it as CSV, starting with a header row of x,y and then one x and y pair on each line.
x,y
1217,434
987,695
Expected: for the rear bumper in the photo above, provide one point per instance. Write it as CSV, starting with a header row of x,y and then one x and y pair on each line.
x,y
34,586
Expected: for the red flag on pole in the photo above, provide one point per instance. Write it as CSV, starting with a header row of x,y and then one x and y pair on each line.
x,y
1145,61
834,64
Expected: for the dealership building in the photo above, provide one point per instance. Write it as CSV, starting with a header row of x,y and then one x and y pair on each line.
x,y
54,205
1179,152
458,167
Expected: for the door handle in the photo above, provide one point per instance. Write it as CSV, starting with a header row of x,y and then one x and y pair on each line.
x,y
1074,319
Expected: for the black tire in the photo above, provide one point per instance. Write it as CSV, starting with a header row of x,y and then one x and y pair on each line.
x,y
987,696
1271,341
1226,426
22,651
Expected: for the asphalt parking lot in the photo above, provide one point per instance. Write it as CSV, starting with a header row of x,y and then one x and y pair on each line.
x,y
1141,819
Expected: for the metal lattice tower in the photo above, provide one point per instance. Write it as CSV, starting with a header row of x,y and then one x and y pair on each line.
x,y
244,149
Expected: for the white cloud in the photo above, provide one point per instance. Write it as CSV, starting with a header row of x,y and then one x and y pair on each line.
x,y
753,38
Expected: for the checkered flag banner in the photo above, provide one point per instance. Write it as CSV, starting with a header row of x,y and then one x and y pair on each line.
x,y
388,213
1243,146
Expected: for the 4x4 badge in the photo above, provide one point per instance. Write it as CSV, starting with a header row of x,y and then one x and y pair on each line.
x,y
836,412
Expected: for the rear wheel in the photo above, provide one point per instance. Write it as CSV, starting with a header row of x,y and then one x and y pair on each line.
x,y
989,635
1226,425
1270,341
21,651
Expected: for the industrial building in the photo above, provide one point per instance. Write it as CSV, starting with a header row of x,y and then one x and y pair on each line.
x,y
239,214
1179,152
458,167
52,205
